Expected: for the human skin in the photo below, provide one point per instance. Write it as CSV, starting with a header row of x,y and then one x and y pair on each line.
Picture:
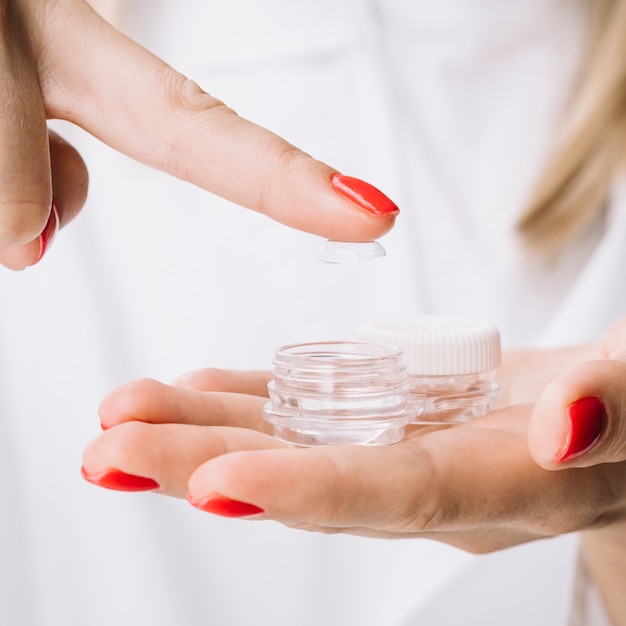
x,y
494,482
60,60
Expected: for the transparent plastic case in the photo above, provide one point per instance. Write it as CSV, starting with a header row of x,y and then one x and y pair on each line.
x,y
339,393
451,362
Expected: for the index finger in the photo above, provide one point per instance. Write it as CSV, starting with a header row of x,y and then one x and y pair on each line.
x,y
140,106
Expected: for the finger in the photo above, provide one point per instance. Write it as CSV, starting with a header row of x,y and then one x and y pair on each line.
x,y
399,489
25,179
138,456
147,400
70,178
167,121
144,457
326,487
20,256
455,482
70,182
234,381
580,419
408,489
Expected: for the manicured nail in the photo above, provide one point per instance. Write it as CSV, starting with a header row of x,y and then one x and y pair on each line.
x,y
363,194
226,507
48,233
587,418
114,479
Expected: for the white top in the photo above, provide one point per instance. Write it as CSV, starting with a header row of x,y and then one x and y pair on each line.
x,y
435,345
448,107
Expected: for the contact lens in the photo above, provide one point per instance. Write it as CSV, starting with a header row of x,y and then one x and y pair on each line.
x,y
349,251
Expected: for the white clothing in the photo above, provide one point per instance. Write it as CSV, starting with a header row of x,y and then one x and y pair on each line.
x,y
449,107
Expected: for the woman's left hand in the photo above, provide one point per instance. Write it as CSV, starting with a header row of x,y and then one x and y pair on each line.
x,y
481,486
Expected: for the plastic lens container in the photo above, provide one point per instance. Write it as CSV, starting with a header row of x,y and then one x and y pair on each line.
x,y
451,364
339,393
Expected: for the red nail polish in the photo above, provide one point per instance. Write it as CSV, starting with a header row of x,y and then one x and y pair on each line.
x,y
226,507
114,479
48,233
363,194
587,418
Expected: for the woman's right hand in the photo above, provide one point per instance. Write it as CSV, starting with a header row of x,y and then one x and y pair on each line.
x,y
62,60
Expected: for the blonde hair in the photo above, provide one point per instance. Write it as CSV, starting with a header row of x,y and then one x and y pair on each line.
x,y
575,184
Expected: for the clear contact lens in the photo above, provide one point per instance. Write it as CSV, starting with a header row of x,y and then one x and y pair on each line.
x,y
349,252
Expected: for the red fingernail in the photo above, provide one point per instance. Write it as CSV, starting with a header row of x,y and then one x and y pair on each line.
x,y
587,418
48,233
226,507
114,479
363,194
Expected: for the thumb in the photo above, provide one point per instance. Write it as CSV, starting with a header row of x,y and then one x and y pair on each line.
x,y
580,418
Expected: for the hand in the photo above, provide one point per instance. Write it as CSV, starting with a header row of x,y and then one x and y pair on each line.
x,y
579,421
475,486
520,473
137,104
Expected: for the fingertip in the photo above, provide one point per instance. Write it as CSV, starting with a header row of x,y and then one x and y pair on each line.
x,y
117,480
578,419
132,401
25,240
364,195
21,222
20,256
226,507
237,473
587,419
363,212
48,234
311,196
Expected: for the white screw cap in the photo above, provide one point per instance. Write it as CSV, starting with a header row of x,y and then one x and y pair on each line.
x,y
438,345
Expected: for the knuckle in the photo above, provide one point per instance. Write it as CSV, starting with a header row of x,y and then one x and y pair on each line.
x,y
425,517
209,379
191,108
289,158
185,94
